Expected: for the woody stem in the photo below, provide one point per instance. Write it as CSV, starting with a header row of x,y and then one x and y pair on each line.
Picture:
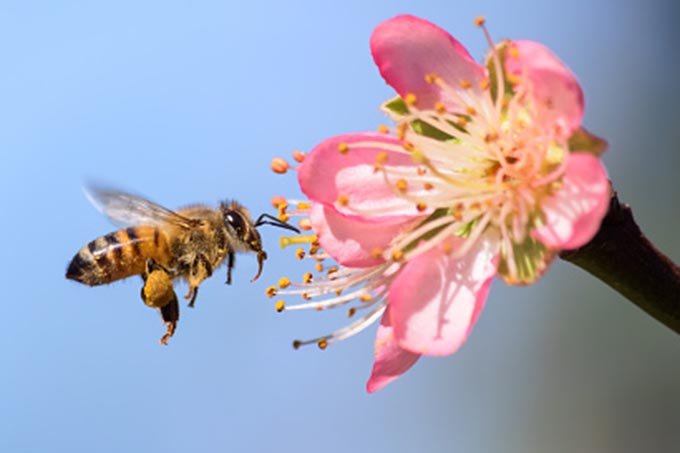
x,y
622,257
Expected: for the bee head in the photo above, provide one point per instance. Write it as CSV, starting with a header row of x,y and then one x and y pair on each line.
x,y
241,229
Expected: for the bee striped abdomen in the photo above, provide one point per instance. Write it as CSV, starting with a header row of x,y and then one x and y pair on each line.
x,y
119,255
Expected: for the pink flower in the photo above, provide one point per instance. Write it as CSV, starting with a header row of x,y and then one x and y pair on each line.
x,y
480,176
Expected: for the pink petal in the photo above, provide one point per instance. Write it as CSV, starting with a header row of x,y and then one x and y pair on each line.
x,y
573,214
391,361
436,299
557,93
326,174
407,48
350,241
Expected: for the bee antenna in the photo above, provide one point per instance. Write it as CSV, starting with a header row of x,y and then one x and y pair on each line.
x,y
267,219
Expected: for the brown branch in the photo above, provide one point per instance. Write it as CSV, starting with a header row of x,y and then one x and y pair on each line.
x,y
622,257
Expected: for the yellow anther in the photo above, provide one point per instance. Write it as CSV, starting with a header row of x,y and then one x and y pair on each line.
x,y
366,297
470,110
279,165
351,312
285,241
338,291
490,137
277,201
304,205
342,200
383,129
298,155
431,77
484,84
280,305
376,252
319,267
465,84
307,278
440,107
421,171
306,296
418,157
300,253
476,206
305,224
343,147
323,344
461,121
402,185
410,99
446,246
514,52
480,20
397,255
284,282
331,270
314,249
271,291
421,206
513,79
402,128
408,146
381,158
428,186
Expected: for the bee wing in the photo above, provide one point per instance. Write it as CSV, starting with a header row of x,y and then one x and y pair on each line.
x,y
127,209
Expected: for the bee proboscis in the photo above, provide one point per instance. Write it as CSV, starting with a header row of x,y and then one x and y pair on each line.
x,y
163,245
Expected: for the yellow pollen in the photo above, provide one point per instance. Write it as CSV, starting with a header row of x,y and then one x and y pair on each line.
x,y
440,108
323,344
461,121
280,305
366,297
484,84
490,137
318,267
298,156
401,130
299,253
446,246
408,146
304,205
284,217
470,110
278,201
402,185
314,249
457,215
397,255
383,129
419,157
284,282
410,99
305,224
480,20
307,278
271,291
342,200
431,78
343,148
465,84
428,186
513,79
319,308
351,312
514,52
279,165
285,241
376,252
380,160
421,206
306,296
297,344
338,292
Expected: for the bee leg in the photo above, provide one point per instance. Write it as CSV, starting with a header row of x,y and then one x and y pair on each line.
x,y
200,270
193,292
231,261
170,315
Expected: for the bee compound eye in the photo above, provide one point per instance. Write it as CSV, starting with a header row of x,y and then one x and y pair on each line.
x,y
236,221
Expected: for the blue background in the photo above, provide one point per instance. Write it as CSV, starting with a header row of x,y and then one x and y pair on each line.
x,y
189,103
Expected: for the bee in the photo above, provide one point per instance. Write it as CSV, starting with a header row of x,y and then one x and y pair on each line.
x,y
162,246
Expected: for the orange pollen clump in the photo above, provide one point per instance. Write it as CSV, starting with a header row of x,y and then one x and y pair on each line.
x,y
465,84
280,305
271,291
343,148
410,99
298,156
402,185
305,224
279,165
343,200
383,129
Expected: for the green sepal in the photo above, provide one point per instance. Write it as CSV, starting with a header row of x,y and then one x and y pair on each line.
x,y
395,107
583,140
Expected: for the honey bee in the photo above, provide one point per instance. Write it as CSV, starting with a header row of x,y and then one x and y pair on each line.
x,y
162,246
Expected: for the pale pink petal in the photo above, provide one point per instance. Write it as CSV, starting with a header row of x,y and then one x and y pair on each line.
x,y
436,299
556,92
326,174
351,241
573,214
407,48
391,361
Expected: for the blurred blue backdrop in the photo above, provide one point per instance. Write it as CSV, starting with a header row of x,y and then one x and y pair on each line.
x,y
189,103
